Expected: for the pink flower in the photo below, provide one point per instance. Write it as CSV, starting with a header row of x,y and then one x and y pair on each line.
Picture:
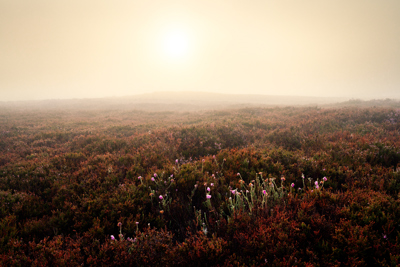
x,y
264,192
292,185
325,179
212,184
316,183
152,178
233,191
112,238
155,174
317,187
208,196
238,174
137,223
176,161
160,197
208,189
140,177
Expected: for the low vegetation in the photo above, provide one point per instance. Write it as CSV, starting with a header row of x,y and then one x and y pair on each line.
x,y
278,186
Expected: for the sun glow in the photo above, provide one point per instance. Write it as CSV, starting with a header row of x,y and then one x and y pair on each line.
x,y
176,44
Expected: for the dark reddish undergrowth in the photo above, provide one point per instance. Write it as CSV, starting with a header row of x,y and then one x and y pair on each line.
x,y
241,187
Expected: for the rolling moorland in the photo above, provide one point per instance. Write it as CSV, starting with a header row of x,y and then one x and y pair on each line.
x,y
168,185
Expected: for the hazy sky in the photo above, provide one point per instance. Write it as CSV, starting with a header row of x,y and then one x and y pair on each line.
x,y
97,48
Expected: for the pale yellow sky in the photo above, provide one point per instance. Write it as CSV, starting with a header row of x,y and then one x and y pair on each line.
x,y
80,49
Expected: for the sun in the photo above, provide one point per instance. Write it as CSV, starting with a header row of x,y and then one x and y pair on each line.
x,y
176,44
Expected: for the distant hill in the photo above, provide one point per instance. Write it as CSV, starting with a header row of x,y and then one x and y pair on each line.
x,y
195,101
175,101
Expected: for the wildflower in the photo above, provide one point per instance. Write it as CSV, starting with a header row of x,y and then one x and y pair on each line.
x,y
119,224
137,223
195,186
302,175
233,191
208,196
325,179
151,194
140,177
160,197
172,180
260,173
213,156
152,179
317,187
224,159
264,192
208,189
292,185
213,175
204,160
238,174
283,178
172,176
212,184
250,184
155,174
316,183
205,184
176,161
241,181
112,238
161,212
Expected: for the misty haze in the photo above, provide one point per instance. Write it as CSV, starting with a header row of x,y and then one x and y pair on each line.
x,y
209,133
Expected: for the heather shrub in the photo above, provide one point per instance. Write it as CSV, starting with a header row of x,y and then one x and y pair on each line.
x,y
284,186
